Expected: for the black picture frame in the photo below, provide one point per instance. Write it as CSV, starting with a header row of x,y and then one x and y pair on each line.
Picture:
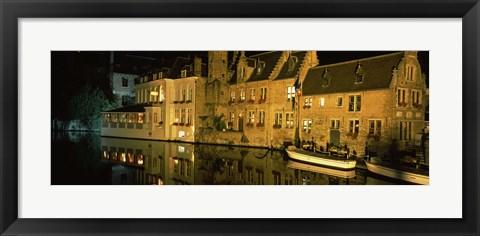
x,y
11,11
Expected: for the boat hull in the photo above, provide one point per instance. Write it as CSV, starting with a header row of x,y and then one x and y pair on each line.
x,y
398,174
327,161
347,174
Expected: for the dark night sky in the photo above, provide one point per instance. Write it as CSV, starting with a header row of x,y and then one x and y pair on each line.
x,y
72,69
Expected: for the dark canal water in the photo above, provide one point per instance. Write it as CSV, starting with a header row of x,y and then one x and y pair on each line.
x,y
81,158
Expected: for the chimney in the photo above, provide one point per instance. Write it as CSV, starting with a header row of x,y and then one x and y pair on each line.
x,y
197,66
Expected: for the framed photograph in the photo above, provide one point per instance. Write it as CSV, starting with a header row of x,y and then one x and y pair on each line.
x,y
224,117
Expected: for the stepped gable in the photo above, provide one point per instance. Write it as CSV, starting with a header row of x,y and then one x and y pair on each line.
x,y
270,59
286,72
377,74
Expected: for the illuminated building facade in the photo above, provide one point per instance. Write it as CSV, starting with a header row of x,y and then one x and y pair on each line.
x,y
165,104
273,98
375,101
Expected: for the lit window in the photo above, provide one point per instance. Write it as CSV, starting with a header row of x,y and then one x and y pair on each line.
x,y
322,102
252,94
140,118
177,115
308,102
181,134
354,126
242,95
307,126
140,159
290,93
251,117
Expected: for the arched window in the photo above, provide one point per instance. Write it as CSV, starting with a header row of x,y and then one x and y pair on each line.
x,y
155,118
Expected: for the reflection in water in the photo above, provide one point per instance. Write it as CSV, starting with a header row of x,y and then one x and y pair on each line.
x,y
130,161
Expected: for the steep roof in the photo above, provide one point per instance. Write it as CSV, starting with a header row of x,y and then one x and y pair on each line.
x,y
285,72
377,73
270,59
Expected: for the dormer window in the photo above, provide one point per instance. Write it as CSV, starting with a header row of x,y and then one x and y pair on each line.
x,y
292,61
242,72
184,73
326,78
160,75
260,66
358,78
359,73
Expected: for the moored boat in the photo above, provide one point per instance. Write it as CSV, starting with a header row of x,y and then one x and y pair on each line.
x,y
320,159
322,170
411,175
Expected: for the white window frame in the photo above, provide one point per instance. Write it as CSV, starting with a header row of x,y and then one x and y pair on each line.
x,y
339,104
375,126
290,93
307,125
355,103
263,93
242,94
289,119
278,119
261,117
352,123
335,123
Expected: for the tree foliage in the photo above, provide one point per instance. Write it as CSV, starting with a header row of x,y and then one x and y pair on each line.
x,y
87,104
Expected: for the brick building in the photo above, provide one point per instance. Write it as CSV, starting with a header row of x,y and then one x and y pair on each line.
x,y
254,101
374,101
